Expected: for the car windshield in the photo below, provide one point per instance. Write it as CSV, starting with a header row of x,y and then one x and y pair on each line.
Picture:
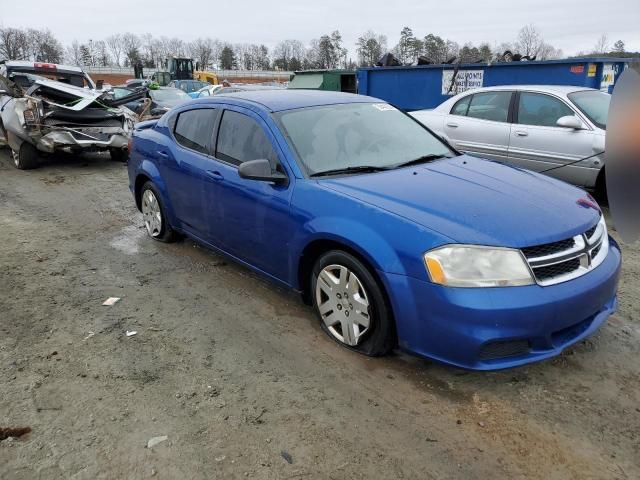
x,y
356,135
191,86
168,94
594,105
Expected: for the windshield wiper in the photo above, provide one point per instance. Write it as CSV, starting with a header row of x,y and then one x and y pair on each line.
x,y
419,160
356,169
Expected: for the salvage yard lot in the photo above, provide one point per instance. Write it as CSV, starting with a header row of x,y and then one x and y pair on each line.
x,y
239,376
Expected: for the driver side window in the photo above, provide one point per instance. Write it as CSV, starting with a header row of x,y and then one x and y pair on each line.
x,y
241,138
540,109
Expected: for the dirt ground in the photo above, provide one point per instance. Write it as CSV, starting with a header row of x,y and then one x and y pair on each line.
x,y
240,378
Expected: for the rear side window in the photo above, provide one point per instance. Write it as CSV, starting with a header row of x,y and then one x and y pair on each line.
x,y
540,109
241,138
194,129
492,106
461,107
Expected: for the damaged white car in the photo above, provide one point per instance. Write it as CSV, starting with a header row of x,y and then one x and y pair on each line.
x,y
41,114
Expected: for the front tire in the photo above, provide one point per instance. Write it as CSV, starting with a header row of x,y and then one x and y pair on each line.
x,y
153,213
351,304
26,158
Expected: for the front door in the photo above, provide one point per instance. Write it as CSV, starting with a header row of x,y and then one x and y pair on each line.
x,y
255,221
538,143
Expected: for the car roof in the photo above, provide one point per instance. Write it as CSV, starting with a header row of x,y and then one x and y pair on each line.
x,y
558,89
27,64
276,100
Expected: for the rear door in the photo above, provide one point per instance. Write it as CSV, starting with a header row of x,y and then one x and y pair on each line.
x,y
537,143
479,124
187,167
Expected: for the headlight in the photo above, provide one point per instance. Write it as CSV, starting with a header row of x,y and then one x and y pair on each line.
x,y
477,266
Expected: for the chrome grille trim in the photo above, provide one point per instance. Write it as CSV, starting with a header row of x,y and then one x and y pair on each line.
x,y
589,250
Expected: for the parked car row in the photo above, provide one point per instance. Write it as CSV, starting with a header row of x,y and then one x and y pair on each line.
x,y
393,234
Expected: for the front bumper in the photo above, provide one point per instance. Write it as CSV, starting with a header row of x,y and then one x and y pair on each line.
x,y
495,328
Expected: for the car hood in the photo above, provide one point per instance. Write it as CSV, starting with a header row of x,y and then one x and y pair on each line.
x,y
171,103
476,201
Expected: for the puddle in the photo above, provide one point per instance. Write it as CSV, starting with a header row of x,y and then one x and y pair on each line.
x,y
128,241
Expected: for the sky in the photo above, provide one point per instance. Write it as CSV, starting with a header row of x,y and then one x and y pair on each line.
x,y
571,25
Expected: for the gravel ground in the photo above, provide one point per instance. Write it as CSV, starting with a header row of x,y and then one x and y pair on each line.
x,y
238,376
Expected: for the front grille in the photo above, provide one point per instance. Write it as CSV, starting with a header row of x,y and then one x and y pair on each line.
x,y
503,349
557,269
548,248
559,261
589,233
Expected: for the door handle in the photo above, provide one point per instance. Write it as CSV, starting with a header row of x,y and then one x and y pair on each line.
x,y
452,125
521,133
215,175
162,154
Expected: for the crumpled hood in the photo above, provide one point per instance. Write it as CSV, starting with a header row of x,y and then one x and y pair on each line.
x,y
83,96
476,201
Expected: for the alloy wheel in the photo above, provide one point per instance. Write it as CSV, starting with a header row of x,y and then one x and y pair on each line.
x,y
343,304
151,213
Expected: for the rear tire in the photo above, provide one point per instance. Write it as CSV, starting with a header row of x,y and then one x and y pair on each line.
x,y
26,158
154,214
600,192
351,304
119,155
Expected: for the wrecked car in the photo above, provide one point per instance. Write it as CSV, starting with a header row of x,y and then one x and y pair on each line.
x,y
62,114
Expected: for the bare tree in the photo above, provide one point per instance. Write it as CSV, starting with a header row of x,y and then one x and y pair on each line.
x,y
529,41
289,55
114,42
548,52
371,47
175,47
74,53
43,46
101,55
201,50
131,48
602,45
14,44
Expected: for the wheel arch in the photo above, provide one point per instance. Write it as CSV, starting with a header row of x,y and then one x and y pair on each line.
x,y
317,247
141,179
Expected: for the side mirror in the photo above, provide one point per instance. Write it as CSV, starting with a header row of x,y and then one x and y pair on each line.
x,y
570,121
261,170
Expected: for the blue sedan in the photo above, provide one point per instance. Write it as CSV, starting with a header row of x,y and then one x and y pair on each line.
x,y
396,239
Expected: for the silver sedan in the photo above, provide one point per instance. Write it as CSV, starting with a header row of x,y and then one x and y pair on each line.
x,y
542,128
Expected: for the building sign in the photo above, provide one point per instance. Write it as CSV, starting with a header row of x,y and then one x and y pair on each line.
x,y
592,70
465,80
577,69
608,77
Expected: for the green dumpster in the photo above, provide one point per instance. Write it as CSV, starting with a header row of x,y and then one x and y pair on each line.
x,y
333,80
